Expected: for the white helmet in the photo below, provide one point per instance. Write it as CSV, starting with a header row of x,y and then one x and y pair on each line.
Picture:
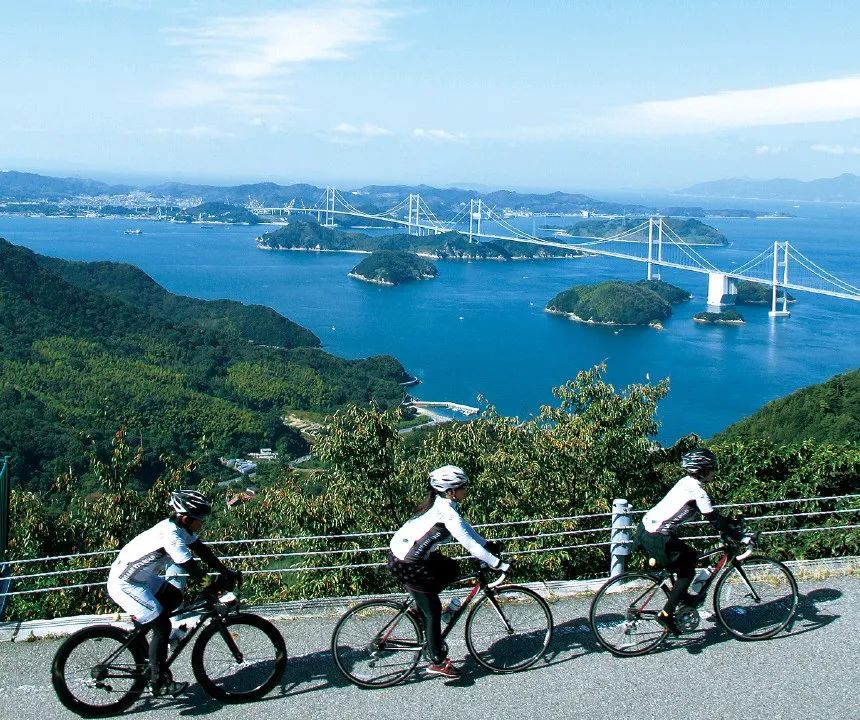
x,y
448,477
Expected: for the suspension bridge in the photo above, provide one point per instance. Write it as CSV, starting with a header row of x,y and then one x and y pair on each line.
x,y
780,266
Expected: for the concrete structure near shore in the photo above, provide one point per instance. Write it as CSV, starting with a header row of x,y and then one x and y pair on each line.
x,y
722,289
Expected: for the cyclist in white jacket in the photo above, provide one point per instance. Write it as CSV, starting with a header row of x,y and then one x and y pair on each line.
x,y
414,561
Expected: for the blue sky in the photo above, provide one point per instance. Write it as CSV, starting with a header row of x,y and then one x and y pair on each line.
x,y
525,95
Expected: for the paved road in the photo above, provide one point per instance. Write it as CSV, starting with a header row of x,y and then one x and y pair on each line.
x,y
811,672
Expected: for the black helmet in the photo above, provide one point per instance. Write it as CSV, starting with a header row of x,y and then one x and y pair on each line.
x,y
191,503
699,462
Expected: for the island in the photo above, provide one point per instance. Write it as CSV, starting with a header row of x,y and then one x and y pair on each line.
x,y
613,302
691,231
309,235
752,293
218,212
393,267
729,317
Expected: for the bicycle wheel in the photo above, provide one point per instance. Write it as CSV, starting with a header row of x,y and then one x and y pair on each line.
x,y
509,629
94,675
376,645
239,658
755,599
623,615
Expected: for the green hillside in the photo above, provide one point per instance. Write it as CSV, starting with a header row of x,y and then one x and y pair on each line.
x,y
76,363
829,412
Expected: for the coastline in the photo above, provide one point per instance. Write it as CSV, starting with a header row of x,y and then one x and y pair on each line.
x,y
657,325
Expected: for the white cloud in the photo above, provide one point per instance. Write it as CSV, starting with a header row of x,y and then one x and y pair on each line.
x,y
367,130
197,131
244,58
769,150
821,101
440,135
836,149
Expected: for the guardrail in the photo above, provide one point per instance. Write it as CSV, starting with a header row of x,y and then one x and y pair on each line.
x,y
541,535
5,521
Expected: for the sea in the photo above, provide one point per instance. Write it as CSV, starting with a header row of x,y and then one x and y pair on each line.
x,y
478,333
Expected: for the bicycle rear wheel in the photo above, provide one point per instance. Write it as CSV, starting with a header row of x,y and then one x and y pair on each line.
x,y
376,644
95,676
509,629
623,615
239,658
755,599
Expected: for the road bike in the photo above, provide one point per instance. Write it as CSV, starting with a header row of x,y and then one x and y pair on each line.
x,y
755,597
237,656
378,643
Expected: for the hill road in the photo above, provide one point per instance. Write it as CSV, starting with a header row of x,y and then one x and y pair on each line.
x,y
809,672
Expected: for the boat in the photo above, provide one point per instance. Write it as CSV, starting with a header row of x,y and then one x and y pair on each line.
x,y
133,231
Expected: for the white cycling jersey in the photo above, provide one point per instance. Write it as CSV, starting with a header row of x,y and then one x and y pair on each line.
x,y
148,554
681,503
422,534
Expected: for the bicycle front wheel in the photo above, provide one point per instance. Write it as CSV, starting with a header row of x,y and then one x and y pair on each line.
x,y
623,615
239,658
376,644
756,598
509,629
94,674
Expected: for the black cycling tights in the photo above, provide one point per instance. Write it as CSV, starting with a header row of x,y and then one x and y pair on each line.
x,y
430,605
684,567
170,598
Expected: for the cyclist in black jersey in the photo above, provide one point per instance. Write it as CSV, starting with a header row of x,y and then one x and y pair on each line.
x,y
413,559
136,585
657,532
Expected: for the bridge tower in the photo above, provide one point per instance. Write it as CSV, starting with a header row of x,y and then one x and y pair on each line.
x,y
721,289
475,218
777,247
329,206
651,246
414,202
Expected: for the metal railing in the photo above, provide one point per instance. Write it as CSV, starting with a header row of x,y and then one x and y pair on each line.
x,y
610,531
5,522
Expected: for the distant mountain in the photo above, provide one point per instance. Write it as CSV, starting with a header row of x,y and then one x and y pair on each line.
x,y
845,188
29,186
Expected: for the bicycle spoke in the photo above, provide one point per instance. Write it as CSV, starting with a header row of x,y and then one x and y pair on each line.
x,y
623,614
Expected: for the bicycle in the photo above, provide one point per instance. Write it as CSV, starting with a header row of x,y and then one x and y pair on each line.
x,y
755,597
378,643
238,656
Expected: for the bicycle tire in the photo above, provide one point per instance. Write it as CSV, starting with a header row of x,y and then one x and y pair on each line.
x,y
79,675
623,614
228,678
370,651
509,629
756,601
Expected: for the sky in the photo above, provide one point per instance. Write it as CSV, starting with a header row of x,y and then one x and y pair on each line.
x,y
568,95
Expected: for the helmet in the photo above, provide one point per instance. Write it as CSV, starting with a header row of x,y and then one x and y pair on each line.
x,y
191,503
699,462
448,477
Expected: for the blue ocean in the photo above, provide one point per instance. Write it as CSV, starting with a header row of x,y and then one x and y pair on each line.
x,y
478,332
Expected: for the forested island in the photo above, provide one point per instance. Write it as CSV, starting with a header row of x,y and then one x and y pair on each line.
x,y
751,293
86,348
393,267
309,235
691,231
728,317
647,302
218,212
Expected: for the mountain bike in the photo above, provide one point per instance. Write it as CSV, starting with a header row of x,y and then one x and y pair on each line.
x,y
237,656
755,597
378,643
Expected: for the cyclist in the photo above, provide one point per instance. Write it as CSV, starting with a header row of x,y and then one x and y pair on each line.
x,y
656,534
424,572
136,585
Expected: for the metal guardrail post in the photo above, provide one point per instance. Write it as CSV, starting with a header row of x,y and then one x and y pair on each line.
x,y
622,534
5,523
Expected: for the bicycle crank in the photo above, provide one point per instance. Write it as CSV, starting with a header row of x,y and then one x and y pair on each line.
x,y
687,618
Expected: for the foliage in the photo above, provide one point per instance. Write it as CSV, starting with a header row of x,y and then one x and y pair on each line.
x,y
827,413
594,444
612,302
692,231
670,293
394,267
218,212
751,293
